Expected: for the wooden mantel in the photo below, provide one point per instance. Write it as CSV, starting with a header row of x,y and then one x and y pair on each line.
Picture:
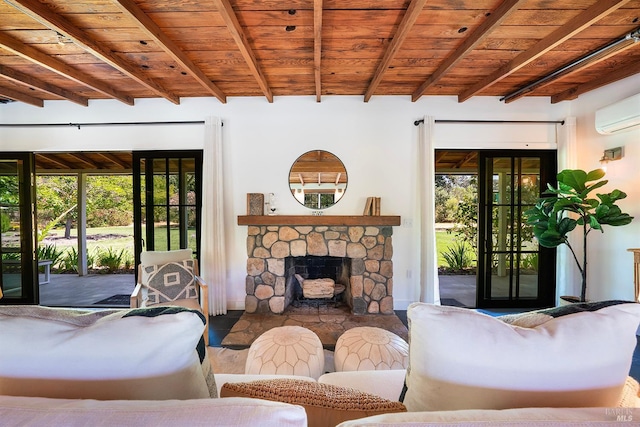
x,y
349,220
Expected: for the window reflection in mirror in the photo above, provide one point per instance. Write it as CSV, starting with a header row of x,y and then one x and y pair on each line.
x,y
318,179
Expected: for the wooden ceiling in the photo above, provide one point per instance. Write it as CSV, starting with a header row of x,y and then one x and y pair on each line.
x,y
81,50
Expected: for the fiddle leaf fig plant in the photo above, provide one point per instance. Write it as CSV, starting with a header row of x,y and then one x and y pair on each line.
x,y
569,206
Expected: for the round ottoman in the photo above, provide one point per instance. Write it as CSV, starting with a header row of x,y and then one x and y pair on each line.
x,y
366,348
286,350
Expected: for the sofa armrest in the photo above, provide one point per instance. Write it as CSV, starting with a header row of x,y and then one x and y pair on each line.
x,y
384,383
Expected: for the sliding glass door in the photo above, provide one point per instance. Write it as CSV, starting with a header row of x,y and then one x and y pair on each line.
x,y
167,188
513,270
18,263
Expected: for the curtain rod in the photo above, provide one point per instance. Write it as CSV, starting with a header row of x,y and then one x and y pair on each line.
x,y
79,125
417,122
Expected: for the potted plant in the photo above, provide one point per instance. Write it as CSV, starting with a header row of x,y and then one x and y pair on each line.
x,y
569,206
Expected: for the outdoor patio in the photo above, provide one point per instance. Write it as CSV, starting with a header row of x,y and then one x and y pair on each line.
x,y
71,290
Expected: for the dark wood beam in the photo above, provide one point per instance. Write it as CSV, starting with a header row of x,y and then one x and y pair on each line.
x,y
317,47
474,39
231,20
619,74
26,80
86,160
41,13
470,156
22,97
593,14
49,62
115,159
57,161
409,18
154,32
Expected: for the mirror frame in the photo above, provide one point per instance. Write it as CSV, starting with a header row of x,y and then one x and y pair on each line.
x,y
319,172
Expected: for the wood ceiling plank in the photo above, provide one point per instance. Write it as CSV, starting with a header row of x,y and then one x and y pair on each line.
x,y
574,26
414,9
25,79
317,47
57,66
41,14
503,11
115,159
86,160
230,18
153,31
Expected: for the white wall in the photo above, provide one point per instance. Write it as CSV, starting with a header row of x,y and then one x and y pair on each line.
x,y
375,140
610,273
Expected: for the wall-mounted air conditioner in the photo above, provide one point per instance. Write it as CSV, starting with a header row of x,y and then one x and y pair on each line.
x,y
620,116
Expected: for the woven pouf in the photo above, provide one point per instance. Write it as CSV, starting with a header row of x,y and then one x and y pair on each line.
x,y
288,350
366,348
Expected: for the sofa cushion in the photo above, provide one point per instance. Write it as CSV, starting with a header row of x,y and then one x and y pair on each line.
x,y
236,412
153,353
462,359
325,404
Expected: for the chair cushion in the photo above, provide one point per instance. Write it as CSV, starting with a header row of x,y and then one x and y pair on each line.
x,y
463,359
169,282
163,257
153,354
326,404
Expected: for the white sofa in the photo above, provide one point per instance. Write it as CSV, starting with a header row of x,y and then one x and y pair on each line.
x,y
29,354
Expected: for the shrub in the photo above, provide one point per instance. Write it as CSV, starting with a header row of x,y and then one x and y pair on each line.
x,y
458,256
113,259
50,252
5,223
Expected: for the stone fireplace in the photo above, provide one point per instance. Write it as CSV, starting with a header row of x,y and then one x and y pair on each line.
x,y
280,246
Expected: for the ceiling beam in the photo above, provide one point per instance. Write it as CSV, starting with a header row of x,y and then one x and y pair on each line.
x,y
26,80
409,18
45,16
317,47
231,20
19,96
593,14
470,156
154,32
57,161
574,69
86,160
610,77
51,63
474,39
113,158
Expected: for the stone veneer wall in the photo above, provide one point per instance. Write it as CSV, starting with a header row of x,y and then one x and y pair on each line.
x,y
369,247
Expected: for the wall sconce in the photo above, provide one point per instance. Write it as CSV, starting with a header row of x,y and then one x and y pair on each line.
x,y
610,155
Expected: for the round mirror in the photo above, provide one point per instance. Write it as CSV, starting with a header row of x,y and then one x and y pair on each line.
x,y
318,179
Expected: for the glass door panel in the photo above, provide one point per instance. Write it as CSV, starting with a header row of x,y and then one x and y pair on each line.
x,y
167,215
510,272
18,278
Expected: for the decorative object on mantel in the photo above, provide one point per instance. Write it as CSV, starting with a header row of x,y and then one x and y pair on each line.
x,y
272,204
636,272
372,207
255,204
550,215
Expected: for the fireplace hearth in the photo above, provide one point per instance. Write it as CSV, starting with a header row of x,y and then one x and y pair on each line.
x,y
358,257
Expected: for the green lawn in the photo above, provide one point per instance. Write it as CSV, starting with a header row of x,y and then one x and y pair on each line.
x,y
118,238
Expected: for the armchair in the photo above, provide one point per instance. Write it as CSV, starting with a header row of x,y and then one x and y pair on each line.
x,y
171,278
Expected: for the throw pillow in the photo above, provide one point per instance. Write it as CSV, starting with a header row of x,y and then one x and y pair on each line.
x,y
325,404
462,359
153,353
169,282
